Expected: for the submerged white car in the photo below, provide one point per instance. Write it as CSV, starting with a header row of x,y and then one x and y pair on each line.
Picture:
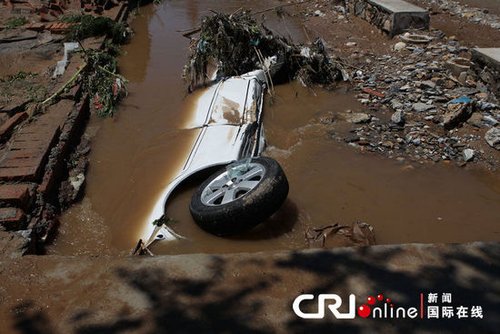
x,y
249,188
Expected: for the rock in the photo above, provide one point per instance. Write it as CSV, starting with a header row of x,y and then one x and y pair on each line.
x,y
482,96
456,115
421,107
462,77
463,91
398,118
492,137
351,44
351,138
416,38
388,144
486,105
449,84
468,154
428,84
476,120
405,88
395,104
358,118
77,181
319,13
490,120
399,46
458,65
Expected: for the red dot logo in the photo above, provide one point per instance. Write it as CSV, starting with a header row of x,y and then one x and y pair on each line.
x,y
364,310
380,297
388,300
371,300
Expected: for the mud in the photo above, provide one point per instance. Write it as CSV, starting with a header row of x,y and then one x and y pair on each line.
x,y
469,33
136,154
491,6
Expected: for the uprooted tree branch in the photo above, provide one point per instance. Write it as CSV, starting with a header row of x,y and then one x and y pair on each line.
x,y
237,44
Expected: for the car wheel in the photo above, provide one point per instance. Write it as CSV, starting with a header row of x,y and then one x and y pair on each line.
x,y
239,197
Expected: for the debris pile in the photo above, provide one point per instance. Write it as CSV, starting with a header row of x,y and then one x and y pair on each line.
x,y
237,44
85,26
104,85
472,14
438,107
336,235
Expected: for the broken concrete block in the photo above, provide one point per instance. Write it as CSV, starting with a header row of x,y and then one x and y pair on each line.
x,y
487,65
457,113
488,56
492,137
392,16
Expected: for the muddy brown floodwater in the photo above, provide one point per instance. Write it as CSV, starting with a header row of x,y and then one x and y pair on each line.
x,y
135,155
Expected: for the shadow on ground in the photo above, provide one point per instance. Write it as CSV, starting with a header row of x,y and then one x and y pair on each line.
x,y
253,293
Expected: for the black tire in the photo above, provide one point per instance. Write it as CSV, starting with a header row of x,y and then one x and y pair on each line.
x,y
247,210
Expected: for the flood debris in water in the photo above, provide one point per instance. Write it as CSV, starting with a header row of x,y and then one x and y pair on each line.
x,y
85,26
99,78
358,234
237,44
162,228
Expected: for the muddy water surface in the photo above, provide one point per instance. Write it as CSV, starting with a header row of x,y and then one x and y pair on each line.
x,y
136,154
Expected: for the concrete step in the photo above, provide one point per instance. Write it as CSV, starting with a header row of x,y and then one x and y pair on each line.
x,y
397,6
486,63
487,56
392,16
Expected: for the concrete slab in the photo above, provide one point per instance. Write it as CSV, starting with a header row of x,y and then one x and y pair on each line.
x,y
397,6
489,56
251,293
486,63
391,16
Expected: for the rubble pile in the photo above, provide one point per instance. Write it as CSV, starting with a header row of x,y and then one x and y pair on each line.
x,y
429,90
471,14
